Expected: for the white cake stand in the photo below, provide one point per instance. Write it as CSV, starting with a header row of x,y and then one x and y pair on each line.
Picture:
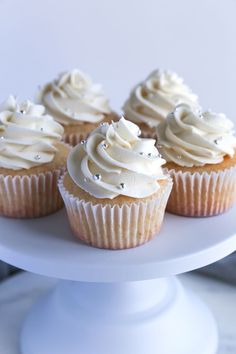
x,y
118,302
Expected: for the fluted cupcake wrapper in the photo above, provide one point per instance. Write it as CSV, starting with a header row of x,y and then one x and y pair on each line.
x,y
202,194
114,226
74,138
30,196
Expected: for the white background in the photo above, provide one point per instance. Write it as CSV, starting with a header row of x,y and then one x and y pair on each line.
x,y
118,43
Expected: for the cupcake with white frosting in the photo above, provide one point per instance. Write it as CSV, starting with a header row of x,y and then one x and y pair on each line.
x,y
199,148
151,100
115,190
32,158
76,103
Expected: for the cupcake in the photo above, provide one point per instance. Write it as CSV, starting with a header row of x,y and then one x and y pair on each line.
x,y
200,152
151,100
115,191
77,103
32,158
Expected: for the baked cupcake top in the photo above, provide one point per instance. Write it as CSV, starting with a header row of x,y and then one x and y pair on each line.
x,y
27,135
152,99
189,137
115,161
73,98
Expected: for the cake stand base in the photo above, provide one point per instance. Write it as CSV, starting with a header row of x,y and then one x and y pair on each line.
x,y
144,317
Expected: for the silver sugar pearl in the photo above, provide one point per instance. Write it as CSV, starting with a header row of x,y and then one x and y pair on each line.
x,y
41,129
122,185
85,179
139,132
22,111
104,145
217,141
83,142
179,157
157,155
37,157
97,177
141,153
200,115
103,124
149,154
2,137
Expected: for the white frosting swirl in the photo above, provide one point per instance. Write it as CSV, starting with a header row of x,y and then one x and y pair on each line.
x,y
151,100
190,137
73,99
27,135
115,161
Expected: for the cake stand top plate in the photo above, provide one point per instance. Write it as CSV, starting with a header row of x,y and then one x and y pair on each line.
x,y
46,246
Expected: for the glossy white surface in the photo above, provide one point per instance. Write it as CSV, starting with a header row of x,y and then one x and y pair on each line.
x,y
19,293
47,246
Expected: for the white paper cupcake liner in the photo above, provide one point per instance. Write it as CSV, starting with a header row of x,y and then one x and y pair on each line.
x,y
114,226
30,196
74,138
202,194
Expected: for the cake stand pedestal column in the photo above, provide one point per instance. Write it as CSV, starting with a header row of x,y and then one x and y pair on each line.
x,y
152,316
